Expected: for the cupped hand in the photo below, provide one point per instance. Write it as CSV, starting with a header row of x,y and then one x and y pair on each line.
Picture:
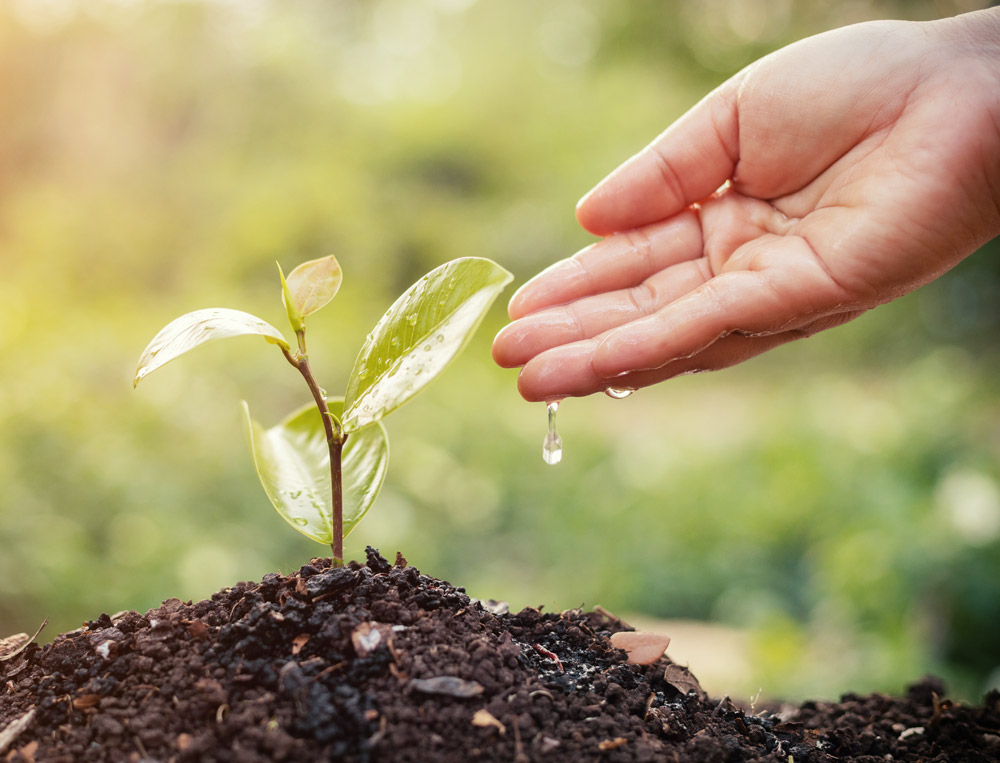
x,y
829,177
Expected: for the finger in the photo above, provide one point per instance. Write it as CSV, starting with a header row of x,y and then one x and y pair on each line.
x,y
585,318
789,289
616,262
566,371
684,165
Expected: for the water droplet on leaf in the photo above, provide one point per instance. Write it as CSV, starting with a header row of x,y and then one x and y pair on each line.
x,y
300,521
412,319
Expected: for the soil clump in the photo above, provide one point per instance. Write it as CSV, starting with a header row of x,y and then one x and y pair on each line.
x,y
376,662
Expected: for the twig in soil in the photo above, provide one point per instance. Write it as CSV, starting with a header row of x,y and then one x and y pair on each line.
x,y
541,693
546,653
602,611
22,642
13,729
326,671
519,756
649,704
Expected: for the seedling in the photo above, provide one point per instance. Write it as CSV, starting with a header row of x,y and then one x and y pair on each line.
x,y
323,466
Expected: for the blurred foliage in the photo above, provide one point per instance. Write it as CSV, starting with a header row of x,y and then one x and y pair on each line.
x,y
840,497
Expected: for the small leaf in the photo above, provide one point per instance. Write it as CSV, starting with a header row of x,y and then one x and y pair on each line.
x,y
292,461
313,284
419,335
197,328
295,318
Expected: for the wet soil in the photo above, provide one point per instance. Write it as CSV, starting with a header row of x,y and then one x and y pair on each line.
x,y
376,662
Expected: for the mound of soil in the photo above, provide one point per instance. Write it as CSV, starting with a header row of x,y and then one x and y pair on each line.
x,y
376,662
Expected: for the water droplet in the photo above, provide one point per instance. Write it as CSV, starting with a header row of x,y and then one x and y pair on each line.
x,y
394,341
363,372
412,319
154,353
552,446
322,392
293,494
452,282
300,521
440,337
619,393
441,303
427,348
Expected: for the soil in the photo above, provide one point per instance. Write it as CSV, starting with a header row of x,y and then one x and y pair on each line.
x,y
376,662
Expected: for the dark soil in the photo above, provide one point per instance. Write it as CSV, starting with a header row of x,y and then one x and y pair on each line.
x,y
377,662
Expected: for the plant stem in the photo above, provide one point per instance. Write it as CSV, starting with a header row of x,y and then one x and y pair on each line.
x,y
335,439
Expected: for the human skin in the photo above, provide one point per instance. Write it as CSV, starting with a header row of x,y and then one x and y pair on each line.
x,y
829,177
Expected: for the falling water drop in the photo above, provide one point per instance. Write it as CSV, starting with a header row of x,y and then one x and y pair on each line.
x,y
552,446
619,393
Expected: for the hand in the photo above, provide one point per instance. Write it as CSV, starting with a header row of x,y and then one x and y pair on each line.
x,y
827,178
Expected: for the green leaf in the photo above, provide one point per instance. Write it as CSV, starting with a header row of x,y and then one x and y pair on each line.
x,y
419,335
197,328
313,284
292,461
295,318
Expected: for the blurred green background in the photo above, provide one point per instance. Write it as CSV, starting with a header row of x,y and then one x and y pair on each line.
x,y
838,499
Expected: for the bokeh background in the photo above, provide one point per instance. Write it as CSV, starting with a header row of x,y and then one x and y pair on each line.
x,y
835,503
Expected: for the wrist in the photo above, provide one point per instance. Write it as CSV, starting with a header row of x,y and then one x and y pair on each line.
x,y
974,39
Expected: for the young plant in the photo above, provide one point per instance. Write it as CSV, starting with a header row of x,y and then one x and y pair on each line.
x,y
323,465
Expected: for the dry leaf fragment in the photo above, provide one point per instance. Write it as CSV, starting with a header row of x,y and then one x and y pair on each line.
x,y
298,642
13,643
85,701
28,751
447,685
367,637
681,679
484,718
642,648
612,744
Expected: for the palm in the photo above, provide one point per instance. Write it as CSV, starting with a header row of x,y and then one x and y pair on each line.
x,y
855,178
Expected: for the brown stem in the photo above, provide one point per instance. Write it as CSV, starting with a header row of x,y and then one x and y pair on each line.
x,y
335,439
